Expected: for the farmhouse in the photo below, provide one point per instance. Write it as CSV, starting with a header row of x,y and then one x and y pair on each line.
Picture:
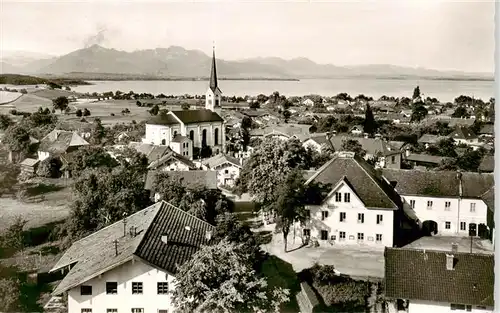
x,y
318,142
204,127
439,281
130,266
227,168
448,203
464,135
360,209
59,142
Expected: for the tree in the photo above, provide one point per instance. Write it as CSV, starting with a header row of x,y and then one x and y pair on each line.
x,y
79,113
419,112
353,146
154,110
86,112
446,148
416,93
461,112
98,132
17,138
10,289
219,278
470,160
138,103
8,177
12,239
369,125
268,166
50,168
5,121
286,115
254,105
289,207
185,106
87,158
60,103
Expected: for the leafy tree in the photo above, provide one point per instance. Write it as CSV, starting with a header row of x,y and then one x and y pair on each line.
x,y
268,166
185,106
50,168
10,289
86,112
461,112
138,103
419,112
154,110
12,239
254,105
446,148
369,125
60,103
98,132
470,160
89,157
416,93
8,177
286,115
5,121
79,113
219,278
17,138
353,146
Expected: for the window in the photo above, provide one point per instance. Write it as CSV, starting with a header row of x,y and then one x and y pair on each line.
x,y
191,135
393,159
111,310
308,214
306,232
447,205
136,288
378,237
338,197
347,197
460,307
473,207
361,236
447,225
380,218
162,311
111,288
324,235
163,142
216,136
226,171
429,205
175,133
361,218
137,310
342,235
324,215
342,216
412,204
86,310
463,226
85,290
162,288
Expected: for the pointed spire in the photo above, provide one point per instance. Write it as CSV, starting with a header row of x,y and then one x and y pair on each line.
x,y
213,73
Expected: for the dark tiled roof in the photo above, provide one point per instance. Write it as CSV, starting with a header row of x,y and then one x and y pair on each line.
x,y
489,198
320,139
58,141
487,164
431,139
205,178
163,119
487,129
95,254
152,152
197,116
213,75
185,235
374,191
426,158
221,159
462,132
422,275
370,145
172,155
179,138
439,183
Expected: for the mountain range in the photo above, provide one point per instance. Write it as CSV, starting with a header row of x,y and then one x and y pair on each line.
x,y
177,62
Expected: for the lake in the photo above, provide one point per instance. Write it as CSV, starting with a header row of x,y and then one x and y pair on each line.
x,y
444,90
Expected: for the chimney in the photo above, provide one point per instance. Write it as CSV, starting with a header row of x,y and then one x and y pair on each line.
x,y
164,239
460,189
208,235
450,262
124,224
454,248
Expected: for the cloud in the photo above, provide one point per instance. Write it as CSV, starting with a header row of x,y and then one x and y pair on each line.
x,y
99,38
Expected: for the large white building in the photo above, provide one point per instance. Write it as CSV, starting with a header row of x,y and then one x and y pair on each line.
x,y
439,281
203,127
446,202
360,209
130,266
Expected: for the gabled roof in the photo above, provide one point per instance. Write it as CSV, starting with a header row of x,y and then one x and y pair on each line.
x,y
197,116
487,129
95,254
299,131
489,198
163,119
439,183
397,144
58,141
426,158
422,275
29,162
370,145
431,139
171,156
179,138
374,191
462,132
487,164
205,178
320,139
152,152
221,159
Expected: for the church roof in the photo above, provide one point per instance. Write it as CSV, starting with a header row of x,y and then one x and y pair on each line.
x,y
197,116
163,119
213,75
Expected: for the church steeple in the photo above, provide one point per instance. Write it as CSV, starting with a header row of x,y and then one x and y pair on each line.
x,y
213,73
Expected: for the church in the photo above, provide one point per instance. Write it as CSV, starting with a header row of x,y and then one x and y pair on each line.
x,y
191,128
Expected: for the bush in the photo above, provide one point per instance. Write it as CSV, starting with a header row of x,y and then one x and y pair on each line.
x,y
86,112
13,112
49,168
79,113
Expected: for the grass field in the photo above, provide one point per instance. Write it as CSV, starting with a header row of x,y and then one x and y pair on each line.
x,y
7,96
52,94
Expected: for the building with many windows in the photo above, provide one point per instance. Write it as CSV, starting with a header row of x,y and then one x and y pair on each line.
x,y
130,266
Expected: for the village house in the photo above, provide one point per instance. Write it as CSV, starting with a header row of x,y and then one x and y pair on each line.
x,y
439,281
447,203
385,154
29,166
130,265
318,142
463,135
227,168
429,140
204,127
424,160
283,131
172,161
59,142
308,102
487,130
360,209
357,130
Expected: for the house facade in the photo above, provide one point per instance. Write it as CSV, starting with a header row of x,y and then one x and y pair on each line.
x,y
360,209
446,203
130,266
227,168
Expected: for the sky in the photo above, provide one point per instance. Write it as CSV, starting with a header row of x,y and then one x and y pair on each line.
x,y
444,35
